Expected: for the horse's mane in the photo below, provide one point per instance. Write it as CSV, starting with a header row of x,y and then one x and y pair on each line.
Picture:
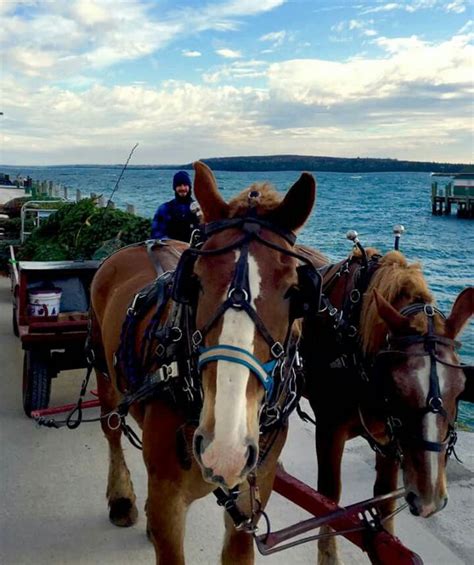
x,y
400,283
268,200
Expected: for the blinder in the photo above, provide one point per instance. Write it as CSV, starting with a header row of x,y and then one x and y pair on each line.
x,y
185,283
306,297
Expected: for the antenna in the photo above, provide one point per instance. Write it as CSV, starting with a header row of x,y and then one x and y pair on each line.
x,y
121,175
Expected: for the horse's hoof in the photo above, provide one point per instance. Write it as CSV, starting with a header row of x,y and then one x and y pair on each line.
x,y
123,512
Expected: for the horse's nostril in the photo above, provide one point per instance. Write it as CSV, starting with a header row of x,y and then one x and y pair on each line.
x,y
411,499
251,456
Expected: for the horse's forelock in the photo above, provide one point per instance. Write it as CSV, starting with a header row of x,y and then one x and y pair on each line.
x,y
395,280
268,200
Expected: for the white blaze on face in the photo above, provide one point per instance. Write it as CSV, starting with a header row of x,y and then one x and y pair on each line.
x,y
430,422
230,410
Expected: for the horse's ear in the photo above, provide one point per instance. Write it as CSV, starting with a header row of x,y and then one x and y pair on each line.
x,y
295,208
213,206
463,309
395,321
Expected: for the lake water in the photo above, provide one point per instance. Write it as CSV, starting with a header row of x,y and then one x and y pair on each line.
x,y
370,203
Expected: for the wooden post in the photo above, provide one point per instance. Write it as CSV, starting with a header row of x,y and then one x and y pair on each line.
x,y
65,192
50,188
44,187
130,209
434,193
78,195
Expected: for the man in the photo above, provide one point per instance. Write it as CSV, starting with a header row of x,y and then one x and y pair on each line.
x,y
176,219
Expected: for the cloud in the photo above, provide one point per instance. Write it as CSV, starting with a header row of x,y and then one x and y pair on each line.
x,y
187,53
84,36
457,6
410,6
411,97
229,53
345,28
237,71
406,60
275,37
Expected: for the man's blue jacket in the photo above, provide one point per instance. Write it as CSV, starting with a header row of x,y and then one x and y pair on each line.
x,y
174,220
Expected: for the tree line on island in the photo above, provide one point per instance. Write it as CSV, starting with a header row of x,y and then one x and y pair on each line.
x,y
309,163
327,164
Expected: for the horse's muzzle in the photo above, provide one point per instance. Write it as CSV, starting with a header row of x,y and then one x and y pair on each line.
x,y
419,508
224,466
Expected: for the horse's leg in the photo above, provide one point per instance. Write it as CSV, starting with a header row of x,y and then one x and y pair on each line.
x,y
171,489
386,481
329,447
120,494
166,510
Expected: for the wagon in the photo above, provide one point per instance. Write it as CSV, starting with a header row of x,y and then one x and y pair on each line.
x,y
52,341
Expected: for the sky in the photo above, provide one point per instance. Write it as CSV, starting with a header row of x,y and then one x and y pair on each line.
x,y
82,81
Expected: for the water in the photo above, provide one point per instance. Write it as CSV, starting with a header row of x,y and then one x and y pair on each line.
x,y
370,203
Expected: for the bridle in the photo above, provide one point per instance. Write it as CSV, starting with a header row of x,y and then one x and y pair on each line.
x,y
397,429
239,296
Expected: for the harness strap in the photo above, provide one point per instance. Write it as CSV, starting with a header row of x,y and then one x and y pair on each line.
x,y
227,500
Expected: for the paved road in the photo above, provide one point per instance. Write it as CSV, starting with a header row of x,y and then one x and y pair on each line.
x,y
53,509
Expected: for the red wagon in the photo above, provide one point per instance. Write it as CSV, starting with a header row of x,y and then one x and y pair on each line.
x,y
52,341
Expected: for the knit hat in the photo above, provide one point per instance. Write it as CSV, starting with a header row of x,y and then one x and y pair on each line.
x,y
181,177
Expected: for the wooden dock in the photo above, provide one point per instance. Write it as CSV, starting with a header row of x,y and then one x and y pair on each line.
x,y
457,193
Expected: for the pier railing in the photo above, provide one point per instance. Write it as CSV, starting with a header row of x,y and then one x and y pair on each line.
x,y
56,190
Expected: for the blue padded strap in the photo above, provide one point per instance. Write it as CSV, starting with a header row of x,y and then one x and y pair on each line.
x,y
242,357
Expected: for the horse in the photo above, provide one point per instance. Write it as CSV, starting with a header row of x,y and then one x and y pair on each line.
x,y
383,365
212,356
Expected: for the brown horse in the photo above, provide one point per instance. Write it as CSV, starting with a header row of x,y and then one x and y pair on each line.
x,y
233,311
385,367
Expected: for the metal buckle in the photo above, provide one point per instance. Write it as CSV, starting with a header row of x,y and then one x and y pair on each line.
x,y
355,295
196,338
435,404
245,296
169,371
178,334
277,349
109,419
131,309
352,332
428,310
160,350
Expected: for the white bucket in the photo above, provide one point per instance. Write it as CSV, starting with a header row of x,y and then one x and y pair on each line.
x,y
44,302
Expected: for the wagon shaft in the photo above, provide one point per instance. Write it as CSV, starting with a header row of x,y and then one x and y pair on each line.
x,y
380,546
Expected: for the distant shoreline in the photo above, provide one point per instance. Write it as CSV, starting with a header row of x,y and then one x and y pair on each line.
x,y
291,163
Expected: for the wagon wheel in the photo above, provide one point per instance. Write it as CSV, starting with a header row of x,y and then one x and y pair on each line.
x,y
36,381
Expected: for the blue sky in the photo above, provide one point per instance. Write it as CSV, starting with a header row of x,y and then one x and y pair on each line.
x,y
83,80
